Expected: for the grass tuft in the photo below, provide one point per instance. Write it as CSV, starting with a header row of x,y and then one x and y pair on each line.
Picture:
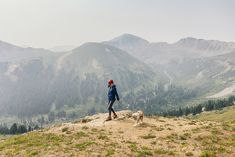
x,y
149,136
65,129
207,154
84,145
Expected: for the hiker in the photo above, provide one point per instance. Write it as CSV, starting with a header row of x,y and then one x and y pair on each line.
x,y
112,95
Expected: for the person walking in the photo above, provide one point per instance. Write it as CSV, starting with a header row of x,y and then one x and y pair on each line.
x,y
112,95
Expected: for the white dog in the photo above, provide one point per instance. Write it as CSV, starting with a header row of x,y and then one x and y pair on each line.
x,y
139,117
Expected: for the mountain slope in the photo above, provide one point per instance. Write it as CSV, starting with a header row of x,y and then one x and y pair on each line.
x,y
91,57
206,47
157,136
226,115
215,75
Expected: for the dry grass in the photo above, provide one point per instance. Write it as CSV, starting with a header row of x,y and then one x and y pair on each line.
x,y
120,138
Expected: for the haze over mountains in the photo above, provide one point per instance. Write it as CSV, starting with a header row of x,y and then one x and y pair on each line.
x,y
31,84
36,81
162,52
13,53
62,48
196,63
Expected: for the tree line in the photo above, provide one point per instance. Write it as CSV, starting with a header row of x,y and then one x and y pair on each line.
x,y
205,106
16,129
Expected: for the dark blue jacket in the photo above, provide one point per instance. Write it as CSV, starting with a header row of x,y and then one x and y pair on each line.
x,y
112,94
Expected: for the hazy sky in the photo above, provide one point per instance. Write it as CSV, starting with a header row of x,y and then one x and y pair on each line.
x,y
49,23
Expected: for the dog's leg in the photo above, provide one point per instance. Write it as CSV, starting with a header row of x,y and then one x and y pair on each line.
x,y
138,119
141,119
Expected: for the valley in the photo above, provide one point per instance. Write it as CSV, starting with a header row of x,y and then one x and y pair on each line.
x,y
153,77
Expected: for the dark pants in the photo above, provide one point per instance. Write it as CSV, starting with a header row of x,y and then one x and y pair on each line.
x,y
111,102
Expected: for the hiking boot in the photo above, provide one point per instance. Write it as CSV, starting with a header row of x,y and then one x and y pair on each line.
x,y
115,115
108,118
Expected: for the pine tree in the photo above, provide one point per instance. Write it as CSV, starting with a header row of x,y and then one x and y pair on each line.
x,y
21,129
51,117
186,111
13,129
180,113
4,129
29,128
36,127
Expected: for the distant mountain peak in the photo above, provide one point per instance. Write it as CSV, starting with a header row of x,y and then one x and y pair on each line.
x,y
193,39
92,45
130,38
208,45
128,42
189,39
